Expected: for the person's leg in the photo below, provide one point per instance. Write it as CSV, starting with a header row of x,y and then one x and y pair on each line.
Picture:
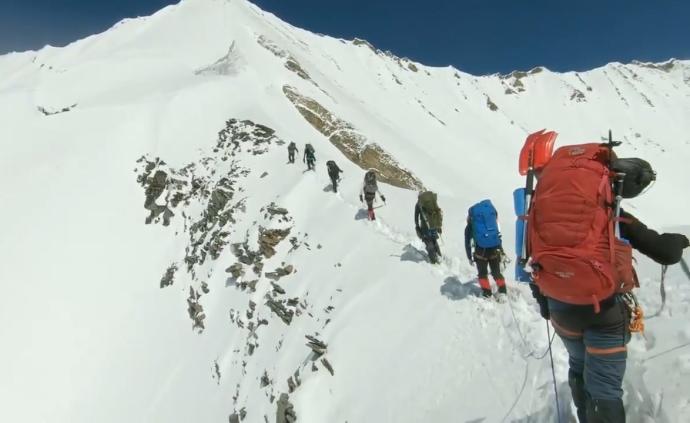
x,y
369,198
483,275
574,344
605,363
495,264
576,361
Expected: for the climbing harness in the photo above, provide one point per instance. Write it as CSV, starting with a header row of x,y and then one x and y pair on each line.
x,y
636,323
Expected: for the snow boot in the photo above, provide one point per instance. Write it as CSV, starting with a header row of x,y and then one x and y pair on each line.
x,y
605,411
486,287
577,390
502,289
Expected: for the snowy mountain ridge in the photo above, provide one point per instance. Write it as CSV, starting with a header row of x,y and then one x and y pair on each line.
x,y
163,263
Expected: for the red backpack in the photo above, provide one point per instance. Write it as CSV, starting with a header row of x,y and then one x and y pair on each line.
x,y
576,257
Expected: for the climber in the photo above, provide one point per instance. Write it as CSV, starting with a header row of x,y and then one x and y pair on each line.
x,y
333,173
369,190
292,149
428,220
482,230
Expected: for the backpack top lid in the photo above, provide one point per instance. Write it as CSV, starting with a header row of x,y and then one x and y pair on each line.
x,y
370,185
638,175
427,200
431,212
483,217
330,164
483,205
309,147
292,144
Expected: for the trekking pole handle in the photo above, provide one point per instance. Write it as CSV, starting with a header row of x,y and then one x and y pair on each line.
x,y
620,177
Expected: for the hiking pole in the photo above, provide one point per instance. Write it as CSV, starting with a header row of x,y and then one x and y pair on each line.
x,y
684,266
553,373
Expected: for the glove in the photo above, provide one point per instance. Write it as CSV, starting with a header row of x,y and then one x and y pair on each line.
x,y
383,197
360,198
419,231
470,259
541,300
440,231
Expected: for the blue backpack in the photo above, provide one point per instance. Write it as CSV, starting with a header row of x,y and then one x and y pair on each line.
x,y
485,232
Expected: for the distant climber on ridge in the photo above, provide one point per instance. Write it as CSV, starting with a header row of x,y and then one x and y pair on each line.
x,y
428,222
369,190
482,230
292,149
333,173
309,156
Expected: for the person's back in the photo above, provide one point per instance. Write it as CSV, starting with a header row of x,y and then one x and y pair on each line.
x,y
482,230
333,173
333,169
309,156
583,275
292,149
428,218
369,189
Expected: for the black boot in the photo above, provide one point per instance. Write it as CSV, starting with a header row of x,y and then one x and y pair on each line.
x,y
577,389
605,411
486,293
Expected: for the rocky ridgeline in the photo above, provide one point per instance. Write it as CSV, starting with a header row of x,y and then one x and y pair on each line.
x,y
204,202
206,196
403,62
290,62
245,274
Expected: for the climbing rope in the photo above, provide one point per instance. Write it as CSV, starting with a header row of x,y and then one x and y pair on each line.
x,y
553,374
662,292
687,344
532,353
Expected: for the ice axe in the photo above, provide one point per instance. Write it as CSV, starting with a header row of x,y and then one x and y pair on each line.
x,y
535,153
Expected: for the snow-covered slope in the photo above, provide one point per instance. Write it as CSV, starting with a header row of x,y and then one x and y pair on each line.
x,y
99,308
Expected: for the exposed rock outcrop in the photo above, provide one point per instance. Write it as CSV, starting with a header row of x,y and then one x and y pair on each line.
x,y
230,64
269,238
285,411
490,104
169,276
47,112
351,143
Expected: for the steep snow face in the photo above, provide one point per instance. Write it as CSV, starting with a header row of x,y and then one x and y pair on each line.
x,y
181,120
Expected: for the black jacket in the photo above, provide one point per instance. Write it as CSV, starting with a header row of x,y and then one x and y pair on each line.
x,y
663,248
334,170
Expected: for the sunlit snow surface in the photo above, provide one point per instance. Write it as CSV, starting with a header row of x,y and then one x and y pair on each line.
x,y
89,336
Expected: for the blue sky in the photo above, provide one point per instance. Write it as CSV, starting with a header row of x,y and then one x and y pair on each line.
x,y
477,36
